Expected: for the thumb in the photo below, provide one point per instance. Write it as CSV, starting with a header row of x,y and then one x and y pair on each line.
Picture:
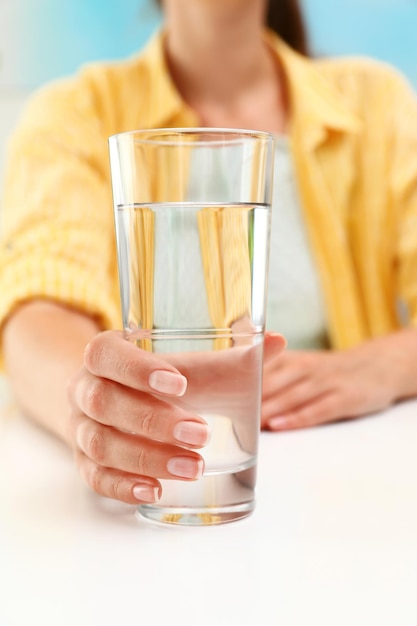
x,y
274,343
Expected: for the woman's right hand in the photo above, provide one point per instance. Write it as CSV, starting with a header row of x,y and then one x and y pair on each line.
x,y
125,432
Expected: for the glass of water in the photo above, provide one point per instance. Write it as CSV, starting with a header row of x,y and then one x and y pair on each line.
x,y
192,216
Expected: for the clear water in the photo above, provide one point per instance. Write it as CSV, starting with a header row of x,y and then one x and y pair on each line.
x,y
224,388
193,266
193,290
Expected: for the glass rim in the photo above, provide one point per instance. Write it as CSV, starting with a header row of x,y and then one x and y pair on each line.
x,y
154,136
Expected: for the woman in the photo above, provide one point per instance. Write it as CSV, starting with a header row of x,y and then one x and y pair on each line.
x,y
346,133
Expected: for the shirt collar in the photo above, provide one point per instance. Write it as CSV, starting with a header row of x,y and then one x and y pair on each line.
x,y
165,102
313,99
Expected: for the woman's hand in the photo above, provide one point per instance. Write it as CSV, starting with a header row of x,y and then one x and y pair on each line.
x,y
126,438
304,389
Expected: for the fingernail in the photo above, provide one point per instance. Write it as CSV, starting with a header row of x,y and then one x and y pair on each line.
x,y
274,335
193,433
146,493
278,423
167,382
185,467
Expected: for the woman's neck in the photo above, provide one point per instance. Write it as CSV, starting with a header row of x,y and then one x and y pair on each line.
x,y
216,49
222,66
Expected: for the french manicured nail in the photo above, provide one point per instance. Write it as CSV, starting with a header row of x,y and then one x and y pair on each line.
x,y
278,423
192,433
146,493
167,382
185,467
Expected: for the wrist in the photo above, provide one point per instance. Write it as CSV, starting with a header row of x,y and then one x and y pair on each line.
x,y
396,356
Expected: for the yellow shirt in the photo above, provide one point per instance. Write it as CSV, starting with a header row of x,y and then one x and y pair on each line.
x,y
353,136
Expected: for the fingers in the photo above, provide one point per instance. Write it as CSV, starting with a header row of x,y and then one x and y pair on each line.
x,y
301,392
309,398
274,344
321,410
314,402
112,404
110,448
119,465
284,370
125,438
111,356
302,389
114,484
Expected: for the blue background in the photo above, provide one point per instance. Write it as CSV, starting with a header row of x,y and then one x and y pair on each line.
x,y
44,39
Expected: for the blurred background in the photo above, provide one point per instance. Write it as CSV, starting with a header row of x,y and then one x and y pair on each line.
x,y
43,39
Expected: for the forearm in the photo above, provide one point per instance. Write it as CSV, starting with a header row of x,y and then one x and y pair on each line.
x,y
43,347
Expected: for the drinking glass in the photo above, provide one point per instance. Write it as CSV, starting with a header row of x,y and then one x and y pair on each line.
x,y
192,217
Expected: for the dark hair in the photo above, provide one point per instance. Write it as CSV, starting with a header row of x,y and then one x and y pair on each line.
x,y
286,18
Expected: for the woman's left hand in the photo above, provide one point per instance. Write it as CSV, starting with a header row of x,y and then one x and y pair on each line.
x,y
302,389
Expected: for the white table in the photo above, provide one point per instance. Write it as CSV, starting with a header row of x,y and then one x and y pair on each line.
x,y
333,540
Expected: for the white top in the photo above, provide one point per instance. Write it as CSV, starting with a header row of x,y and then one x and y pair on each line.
x,y
294,303
295,306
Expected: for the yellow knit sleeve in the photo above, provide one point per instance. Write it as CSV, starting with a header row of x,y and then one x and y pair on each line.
x,y
57,235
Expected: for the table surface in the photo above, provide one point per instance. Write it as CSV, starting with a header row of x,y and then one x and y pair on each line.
x,y
333,539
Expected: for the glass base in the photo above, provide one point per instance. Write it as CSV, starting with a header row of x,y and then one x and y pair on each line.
x,y
194,516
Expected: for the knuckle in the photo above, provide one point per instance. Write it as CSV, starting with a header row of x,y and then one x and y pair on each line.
x,y
95,352
95,446
101,357
119,489
91,473
95,400
95,477
149,424
127,368
141,462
